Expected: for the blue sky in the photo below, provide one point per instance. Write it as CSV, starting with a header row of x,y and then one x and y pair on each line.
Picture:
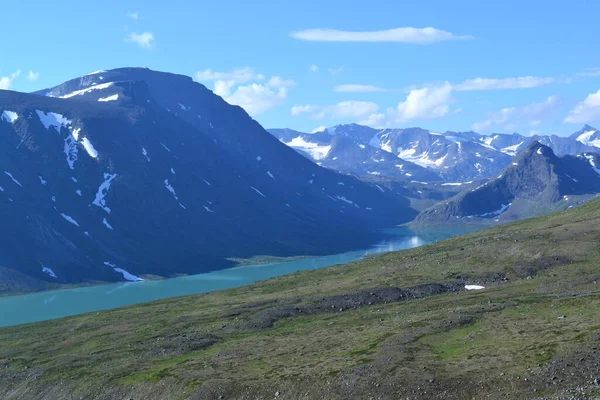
x,y
490,66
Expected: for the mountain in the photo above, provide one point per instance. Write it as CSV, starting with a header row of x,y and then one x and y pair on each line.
x,y
132,172
412,154
346,149
425,155
537,181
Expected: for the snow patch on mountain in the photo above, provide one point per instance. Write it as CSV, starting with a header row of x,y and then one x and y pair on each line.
x,y
49,271
106,224
257,191
316,151
51,119
13,178
586,138
100,199
84,91
109,98
89,147
70,219
9,116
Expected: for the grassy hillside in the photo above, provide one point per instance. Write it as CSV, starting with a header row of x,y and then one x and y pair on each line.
x,y
392,326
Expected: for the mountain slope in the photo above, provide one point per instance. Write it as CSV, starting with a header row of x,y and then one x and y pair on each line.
x,y
537,181
103,190
395,326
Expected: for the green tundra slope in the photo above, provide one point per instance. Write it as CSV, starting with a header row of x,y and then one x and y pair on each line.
x,y
394,326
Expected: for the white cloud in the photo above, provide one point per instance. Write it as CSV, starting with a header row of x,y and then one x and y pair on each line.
x,y
342,110
314,68
238,75
145,40
509,117
319,129
6,81
133,15
522,82
277,82
303,109
425,103
403,35
586,111
335,71
33,76
256,98
240,87
352,88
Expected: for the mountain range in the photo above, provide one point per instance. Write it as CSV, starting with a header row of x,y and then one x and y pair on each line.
x,y
536,182
416,154
127,173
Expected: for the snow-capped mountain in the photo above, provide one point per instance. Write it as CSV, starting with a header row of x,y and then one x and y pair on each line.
x,y
413,153
537,181
130,172
352,154
425,155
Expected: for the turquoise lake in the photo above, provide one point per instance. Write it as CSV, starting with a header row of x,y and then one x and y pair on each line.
x,y
42,306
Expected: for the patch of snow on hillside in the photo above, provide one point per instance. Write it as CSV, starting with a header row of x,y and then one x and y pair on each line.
x,y
165,147
87,145
590,158
145,153
71,150
109,98
184,107
106,224
497,212
344,199
258,158
207,182
314,150
13,178
42,180
49,271
455,183
586,138
208,209
126,275
9,116
53,119
474,287
257,191
86,90
78,192
100,200
170,189
511,150
271,175
172,171
539,151
70,219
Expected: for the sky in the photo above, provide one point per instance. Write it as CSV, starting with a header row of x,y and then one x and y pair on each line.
x,y
493,67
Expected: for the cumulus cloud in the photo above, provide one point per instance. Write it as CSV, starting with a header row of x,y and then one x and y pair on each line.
x,y
303,109
586,111
6,81
238,75
145,40
33,76
509,117
522,82
595,71
257,98
133,15
401,35
352,88
242,87
313,68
